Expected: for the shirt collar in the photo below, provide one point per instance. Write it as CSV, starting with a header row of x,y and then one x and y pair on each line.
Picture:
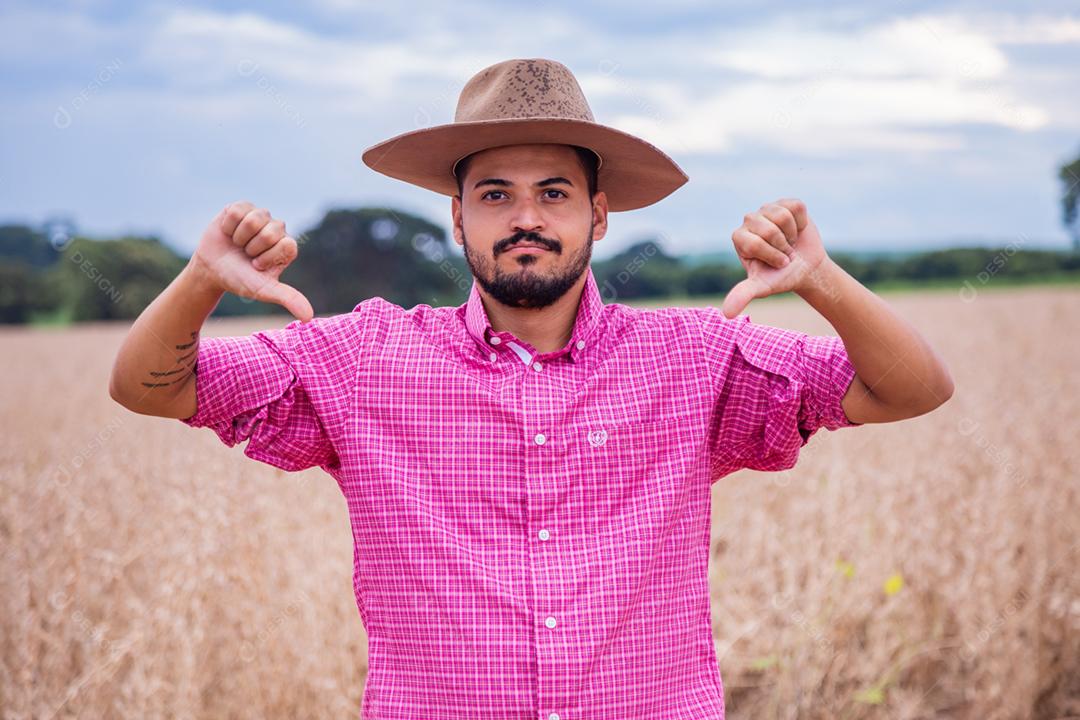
x,y
588,315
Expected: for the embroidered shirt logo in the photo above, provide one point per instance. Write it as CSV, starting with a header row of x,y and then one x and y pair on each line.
x,y
597,437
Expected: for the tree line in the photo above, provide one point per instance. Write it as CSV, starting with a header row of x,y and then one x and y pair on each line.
x,y
52,274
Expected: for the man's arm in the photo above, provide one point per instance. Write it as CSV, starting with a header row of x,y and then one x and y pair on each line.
x,y
152,374
243,251
898,374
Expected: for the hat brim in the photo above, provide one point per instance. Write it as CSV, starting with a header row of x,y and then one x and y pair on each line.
x,y
633,173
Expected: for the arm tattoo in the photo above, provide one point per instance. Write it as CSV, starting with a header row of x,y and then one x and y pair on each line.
x,y
182,364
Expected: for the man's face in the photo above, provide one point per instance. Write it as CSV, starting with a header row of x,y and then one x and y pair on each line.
x,y
527,195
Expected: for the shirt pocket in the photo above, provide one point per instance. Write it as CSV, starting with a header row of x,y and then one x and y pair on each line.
x,y
626,477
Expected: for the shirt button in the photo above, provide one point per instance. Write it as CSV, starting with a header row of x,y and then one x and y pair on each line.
x,y
537,366
553,716
544,534
550,622
540,439
494,357
495,340
580,344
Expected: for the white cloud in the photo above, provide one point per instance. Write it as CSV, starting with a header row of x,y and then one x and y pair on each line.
x,y
897,84
905,84
920,45
193,46
1025,30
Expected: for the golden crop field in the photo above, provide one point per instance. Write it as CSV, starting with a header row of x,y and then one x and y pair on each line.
x,y
922,569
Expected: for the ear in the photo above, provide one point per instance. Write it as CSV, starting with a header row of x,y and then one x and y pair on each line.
x,y
455,214
600,213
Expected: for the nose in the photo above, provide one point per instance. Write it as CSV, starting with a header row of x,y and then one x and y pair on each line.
x,y
527,216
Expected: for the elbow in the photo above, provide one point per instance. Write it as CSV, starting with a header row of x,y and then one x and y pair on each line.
x,y
922,397
162,402
948,388
124,401
929,399
945,387
115,391
120,394
936,395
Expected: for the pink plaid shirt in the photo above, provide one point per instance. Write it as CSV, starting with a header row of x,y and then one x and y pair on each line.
x,y
531,530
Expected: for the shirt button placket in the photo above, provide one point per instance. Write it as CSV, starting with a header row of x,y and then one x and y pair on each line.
x,y
541,468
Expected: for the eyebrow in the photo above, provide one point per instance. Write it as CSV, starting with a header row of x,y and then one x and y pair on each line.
x,y
506,183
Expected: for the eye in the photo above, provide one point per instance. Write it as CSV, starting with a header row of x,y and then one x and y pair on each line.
x,y
556,191
484,196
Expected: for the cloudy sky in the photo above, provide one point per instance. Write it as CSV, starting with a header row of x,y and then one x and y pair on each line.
x,y
901,124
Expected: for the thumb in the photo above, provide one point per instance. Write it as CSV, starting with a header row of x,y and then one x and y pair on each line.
x,y
740,296
289,298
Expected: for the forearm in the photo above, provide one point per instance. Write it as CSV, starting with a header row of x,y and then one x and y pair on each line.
x,y
152,373
894,362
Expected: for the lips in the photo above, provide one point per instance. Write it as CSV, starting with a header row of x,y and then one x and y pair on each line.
x,y
526,246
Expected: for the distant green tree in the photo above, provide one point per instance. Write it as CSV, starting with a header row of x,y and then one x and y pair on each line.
x,y
23,292
643,270
866,270
937,264
713,278
112,279
352,255
28,245
1069,174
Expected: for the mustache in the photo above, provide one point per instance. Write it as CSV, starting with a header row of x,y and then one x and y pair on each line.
x,y
502,245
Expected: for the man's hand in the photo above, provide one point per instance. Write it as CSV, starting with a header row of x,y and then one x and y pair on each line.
x,y
244,251
780,248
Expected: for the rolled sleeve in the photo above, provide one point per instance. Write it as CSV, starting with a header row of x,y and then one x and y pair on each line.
x,y
249,388
827,374
774,389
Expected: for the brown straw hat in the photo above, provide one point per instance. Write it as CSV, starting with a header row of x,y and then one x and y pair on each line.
x,y
523,101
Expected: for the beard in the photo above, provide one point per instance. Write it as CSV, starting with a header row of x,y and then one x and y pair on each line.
x,y
527,287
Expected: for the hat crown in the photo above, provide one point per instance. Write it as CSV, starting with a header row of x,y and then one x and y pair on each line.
x,y
522,88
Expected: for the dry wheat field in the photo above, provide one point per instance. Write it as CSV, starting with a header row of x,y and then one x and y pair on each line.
x,y
922,569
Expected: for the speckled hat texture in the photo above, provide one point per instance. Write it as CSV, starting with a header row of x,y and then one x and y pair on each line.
x,y
520,101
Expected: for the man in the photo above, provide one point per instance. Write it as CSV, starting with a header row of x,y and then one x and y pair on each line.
x,y
528,475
